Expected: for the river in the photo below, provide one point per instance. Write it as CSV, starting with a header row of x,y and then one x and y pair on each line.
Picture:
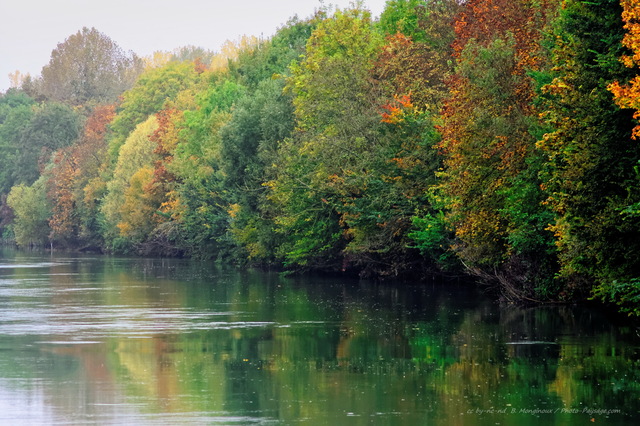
x,y
120,341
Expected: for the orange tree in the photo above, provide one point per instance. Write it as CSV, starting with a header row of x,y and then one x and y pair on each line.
x,y
72,168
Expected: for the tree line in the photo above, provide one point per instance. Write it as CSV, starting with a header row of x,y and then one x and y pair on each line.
x,y
492,137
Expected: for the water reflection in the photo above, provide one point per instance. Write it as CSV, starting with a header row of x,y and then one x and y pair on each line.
x,y
97,340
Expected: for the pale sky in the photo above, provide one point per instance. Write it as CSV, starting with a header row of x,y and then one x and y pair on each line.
x,y
31,29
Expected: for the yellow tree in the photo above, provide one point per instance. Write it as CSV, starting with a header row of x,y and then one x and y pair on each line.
x,y
230,51
138,208
136,153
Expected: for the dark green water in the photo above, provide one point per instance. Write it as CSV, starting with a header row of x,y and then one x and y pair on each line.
x,y
99,340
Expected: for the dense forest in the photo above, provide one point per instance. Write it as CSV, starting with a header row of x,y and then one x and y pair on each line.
x,y
490,137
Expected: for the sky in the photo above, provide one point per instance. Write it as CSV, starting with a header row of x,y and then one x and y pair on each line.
x,y
31,29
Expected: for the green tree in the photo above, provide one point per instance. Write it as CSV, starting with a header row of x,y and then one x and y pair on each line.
x,y
11,99
336,133
259,121
31,209
403,16
16,113
272,57
199,201
590,158
51,127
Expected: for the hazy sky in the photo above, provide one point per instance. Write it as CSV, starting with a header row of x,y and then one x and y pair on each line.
x,y
31,29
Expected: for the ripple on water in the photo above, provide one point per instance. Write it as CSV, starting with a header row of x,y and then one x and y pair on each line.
x,y
82,324
30,265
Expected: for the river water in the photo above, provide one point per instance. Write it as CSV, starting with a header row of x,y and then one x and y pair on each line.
x,y
118,341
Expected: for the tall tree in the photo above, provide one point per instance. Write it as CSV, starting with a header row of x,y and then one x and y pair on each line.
x,y
88,67
72,169
335,138
589,168
491,191
260,120
199,203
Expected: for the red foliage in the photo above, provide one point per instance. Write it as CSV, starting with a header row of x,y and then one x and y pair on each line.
x,y
73,166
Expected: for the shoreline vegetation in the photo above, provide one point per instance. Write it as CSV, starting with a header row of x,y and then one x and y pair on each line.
x,y
491,138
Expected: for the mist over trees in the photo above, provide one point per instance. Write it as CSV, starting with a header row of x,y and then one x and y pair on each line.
x,y
489,137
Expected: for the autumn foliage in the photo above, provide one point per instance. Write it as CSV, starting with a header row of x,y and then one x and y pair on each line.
x,y
487,137
70,171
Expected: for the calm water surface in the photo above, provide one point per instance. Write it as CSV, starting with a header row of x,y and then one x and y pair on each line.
x,y
101,340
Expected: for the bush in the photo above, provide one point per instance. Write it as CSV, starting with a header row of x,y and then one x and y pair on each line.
x,y
624,294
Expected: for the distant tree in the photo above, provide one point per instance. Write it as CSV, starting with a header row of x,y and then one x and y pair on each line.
x,y
17,78
191,54
157,59
88,66
265,60
230,51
